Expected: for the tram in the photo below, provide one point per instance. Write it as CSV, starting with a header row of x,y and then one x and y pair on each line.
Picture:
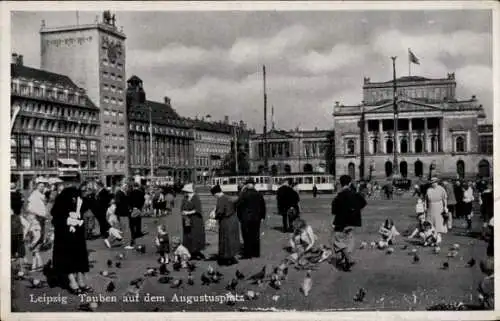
x,y
231,184
324,183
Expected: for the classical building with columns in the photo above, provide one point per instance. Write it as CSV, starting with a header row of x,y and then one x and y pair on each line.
x,y
433,128
296,151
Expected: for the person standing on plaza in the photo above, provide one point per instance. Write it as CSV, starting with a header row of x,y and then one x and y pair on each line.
x,y
70,256
315,191
37,206
467,205
458,191
346,209
287,198
100,207
229,232
452,202
251,210
169,200
123,208
135,220
437,206
487,205
18,250
193,227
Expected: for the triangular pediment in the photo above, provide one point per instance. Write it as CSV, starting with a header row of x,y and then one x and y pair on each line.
x,y
404,106
275,134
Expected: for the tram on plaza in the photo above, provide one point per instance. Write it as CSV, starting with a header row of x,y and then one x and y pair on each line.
x,y
269,184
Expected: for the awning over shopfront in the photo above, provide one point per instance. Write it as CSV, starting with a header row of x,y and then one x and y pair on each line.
x,y
68,161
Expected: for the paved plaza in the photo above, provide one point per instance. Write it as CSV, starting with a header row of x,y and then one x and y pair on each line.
x,y
392,282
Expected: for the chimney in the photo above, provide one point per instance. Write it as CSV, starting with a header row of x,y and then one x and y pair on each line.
x,y
166,100
20,60
14,58
226,119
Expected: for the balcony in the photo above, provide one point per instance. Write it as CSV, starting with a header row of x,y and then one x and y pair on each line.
x,y
50,98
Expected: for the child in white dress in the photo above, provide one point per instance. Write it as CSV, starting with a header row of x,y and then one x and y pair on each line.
x,y
388,233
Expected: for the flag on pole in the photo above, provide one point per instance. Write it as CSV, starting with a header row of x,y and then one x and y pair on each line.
x,y
412,57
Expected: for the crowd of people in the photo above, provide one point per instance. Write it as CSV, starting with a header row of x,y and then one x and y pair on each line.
x,y
62,217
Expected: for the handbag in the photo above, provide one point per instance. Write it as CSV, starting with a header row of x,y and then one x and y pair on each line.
x,y
135,213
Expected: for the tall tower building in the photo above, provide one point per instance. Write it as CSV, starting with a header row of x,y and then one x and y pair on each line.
x,y
93,55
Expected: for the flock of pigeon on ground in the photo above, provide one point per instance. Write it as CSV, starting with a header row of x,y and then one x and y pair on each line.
x,y
262,278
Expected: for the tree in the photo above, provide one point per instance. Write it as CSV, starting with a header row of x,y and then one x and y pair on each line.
x,y
330,152
229,164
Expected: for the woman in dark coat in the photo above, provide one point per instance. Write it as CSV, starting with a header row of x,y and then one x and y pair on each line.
x,y
229,231
193,227
70,257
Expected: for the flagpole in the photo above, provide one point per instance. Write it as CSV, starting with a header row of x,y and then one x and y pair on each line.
x,y
409,63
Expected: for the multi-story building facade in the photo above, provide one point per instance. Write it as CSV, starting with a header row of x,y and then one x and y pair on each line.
x,y
434,129
298,151
57,124
93,55
172,137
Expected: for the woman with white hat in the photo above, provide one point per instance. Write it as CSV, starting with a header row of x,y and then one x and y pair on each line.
x,y
437,206
193,227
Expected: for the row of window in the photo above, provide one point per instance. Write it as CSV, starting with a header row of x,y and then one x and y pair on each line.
x,y
49,93
107,63
114,165
212,149
112,76
213,139
56,111
37,124
113,124
26,161
41,142
161,130
113,100
459,146
114,148
206,161
486,144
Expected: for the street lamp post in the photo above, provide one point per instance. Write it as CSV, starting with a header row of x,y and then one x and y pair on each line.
x,y
372,168
235,147
151,153
362,144
395,106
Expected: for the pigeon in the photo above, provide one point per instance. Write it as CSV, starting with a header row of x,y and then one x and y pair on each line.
x,y
164,270
191,266
390,250
151,272
275,284
190,280
307,284
275,298
215,278
232,285
36,283
205,280
437,250
107,274
137,282
416,258
210,270
259,276
251,295
141,249
404,247
452,253
445,266
363,245
360,296
165,279
118,265
120,256
110,263
455,246
239,275
110,287
324,256
177,266
176,284
471,262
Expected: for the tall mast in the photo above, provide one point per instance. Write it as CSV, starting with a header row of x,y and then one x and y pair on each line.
x,y
266,164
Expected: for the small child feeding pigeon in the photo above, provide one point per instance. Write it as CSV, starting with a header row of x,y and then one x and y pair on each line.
x,y
181,253
429,237
33,240
388,233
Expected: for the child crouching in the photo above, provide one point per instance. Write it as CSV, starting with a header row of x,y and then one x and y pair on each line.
x,y
388,233
115,234
429,237
181,253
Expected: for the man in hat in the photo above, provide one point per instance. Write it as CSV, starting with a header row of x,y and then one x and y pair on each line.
x,y
251,210
288,201
100,207
123,208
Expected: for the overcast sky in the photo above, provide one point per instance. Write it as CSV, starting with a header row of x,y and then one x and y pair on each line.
x,y
211,62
